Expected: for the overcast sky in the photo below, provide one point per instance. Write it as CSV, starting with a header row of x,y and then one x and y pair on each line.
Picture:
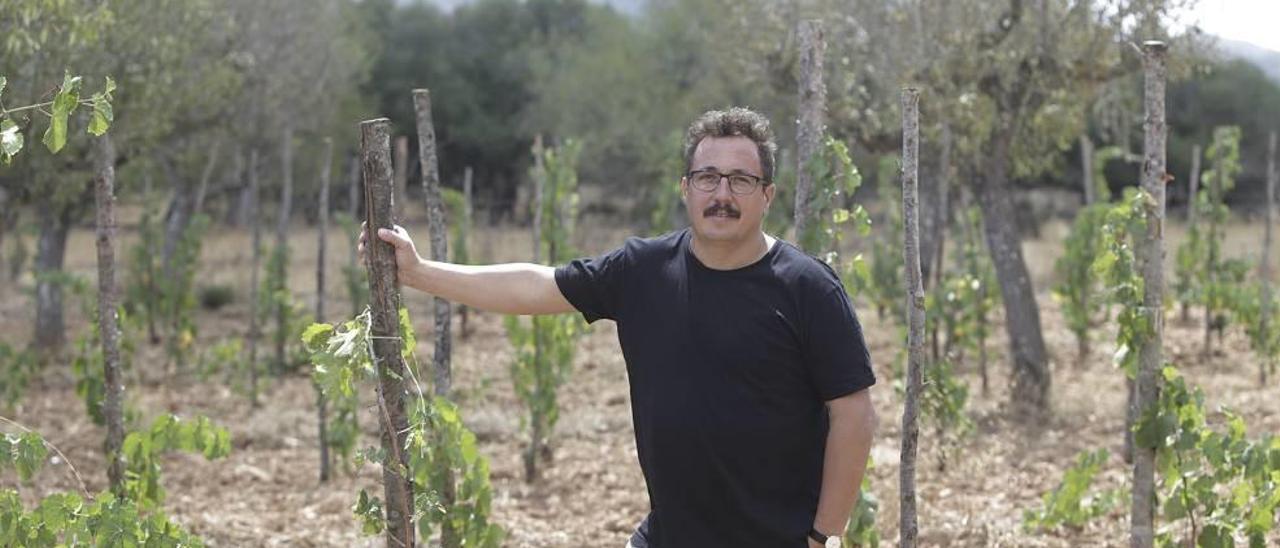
x,y
1256,21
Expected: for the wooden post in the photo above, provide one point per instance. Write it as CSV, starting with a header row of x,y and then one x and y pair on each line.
x,y
438,227
282,246
355,193
439,233
539,181
255,226
813,120
384,304
1152,250
401,159
326,161
108,323
908,523
1265,267
1192,190
468,219
1086,164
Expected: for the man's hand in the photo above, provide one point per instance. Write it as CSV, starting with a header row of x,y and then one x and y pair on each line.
x,y
406,254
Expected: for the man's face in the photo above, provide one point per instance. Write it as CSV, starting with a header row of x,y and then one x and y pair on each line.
x,y
720,214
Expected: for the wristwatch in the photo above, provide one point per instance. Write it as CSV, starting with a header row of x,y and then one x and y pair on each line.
x,y
832,541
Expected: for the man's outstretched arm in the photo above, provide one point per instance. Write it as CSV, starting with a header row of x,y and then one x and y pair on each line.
x,y
511,288
852,422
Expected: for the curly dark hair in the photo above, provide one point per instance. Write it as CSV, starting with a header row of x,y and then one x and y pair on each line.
x,y
728,123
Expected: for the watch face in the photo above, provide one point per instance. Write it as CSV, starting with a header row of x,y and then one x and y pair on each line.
x,y
833,541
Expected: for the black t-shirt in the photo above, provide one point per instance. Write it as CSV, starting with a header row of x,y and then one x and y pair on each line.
x,y
729,373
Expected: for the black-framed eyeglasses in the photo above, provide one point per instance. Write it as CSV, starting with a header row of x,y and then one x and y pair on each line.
x,y
708,180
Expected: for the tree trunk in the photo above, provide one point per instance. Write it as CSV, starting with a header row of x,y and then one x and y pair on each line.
x,y
255,308
1086,166
1152,249
177,219
281,285
201,191
51,249
401,177
908,523
384,292
813,119
1031,378
467,223
326,161
1265,270
539,184
238,214
108,324
1191,210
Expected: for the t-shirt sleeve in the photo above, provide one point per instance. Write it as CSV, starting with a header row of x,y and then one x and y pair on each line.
x,y
835,351
594,285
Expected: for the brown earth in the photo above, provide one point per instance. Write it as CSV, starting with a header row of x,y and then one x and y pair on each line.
x,y
266,492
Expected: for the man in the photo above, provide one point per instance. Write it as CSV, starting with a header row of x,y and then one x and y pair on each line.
x,y
747,365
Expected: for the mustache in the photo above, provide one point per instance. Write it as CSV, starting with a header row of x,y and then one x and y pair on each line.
x,y
727,209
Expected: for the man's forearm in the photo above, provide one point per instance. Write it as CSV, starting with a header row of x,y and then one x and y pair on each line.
x,y
511,288
845,461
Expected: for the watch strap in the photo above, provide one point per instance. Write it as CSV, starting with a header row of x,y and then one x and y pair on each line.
x,y
815,535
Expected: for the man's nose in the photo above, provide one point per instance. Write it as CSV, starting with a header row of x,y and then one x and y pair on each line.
x,y
722,192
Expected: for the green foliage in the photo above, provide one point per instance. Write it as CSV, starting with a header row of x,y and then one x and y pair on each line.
x,y
544,349
667,201
442,453
883,283
64,104
142,451
1077,286
1071,504
1116,266
24,452
166,298
834,178
1220,482
1248,303
861,530
17,367
1203,277
353,275
439,444
456,205
559,199
66,519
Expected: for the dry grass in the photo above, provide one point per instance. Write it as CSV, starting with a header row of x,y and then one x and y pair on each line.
x,y
266,492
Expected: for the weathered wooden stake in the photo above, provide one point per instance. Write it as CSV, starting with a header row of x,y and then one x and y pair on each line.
x,y
108,323
326,161
1191,209
439,233
1086,166
401,166
813,120
1152,250
908,523
468,219
255,226
282,247
438,227
1265,268
384,304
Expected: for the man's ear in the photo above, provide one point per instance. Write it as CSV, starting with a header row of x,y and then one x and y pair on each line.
x,y
684,190
768,195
